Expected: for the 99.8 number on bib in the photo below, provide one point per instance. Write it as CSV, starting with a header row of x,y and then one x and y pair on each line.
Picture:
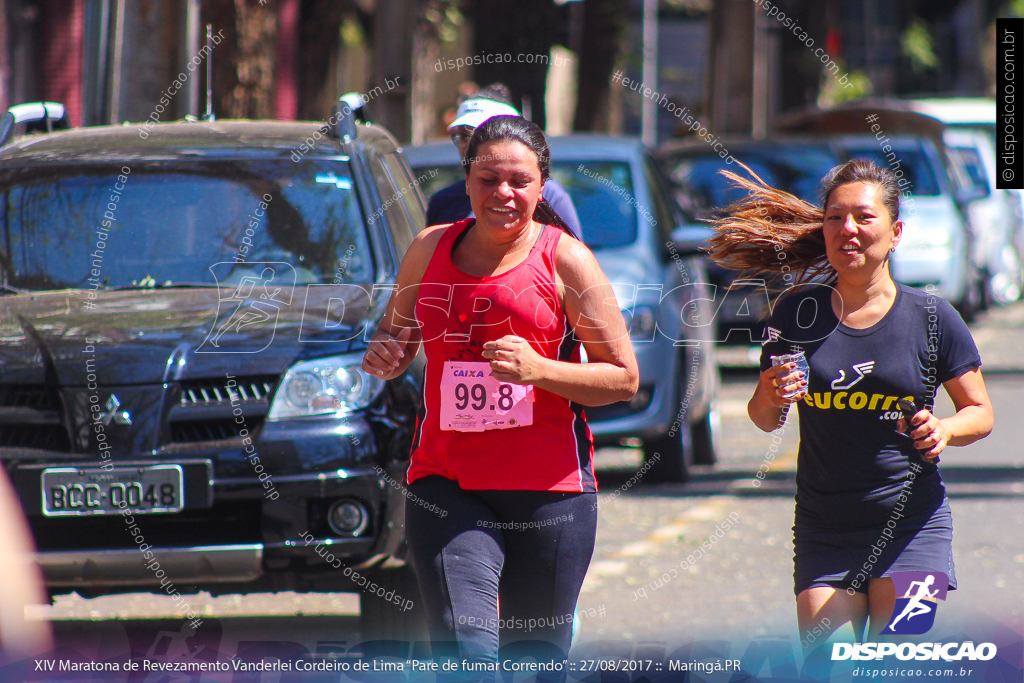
x,y
479,394
472,400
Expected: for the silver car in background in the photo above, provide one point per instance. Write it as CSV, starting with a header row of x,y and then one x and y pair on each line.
x,y
995,214
628,218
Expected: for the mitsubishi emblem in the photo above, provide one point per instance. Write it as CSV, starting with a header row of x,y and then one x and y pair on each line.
x,y
121,417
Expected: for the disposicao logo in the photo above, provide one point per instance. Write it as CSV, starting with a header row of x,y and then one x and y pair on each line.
x,y
949,652
914,613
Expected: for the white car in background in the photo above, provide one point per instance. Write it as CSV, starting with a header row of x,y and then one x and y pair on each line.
x,y
997,218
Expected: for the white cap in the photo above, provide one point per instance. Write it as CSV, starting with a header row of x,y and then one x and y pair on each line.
x,y
474,112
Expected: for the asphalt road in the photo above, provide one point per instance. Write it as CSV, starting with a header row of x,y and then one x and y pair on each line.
x,y
740,590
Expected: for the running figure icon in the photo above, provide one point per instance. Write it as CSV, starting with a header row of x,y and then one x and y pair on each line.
x,y
256,311
916,606
249,314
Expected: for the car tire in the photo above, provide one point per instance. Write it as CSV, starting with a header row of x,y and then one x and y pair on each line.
x,y
382,619
704,436
985,297
971,303
668,457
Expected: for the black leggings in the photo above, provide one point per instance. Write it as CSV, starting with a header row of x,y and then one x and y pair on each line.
x,y
531,547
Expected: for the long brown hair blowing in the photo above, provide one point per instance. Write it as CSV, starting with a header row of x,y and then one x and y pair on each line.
x,y
771,231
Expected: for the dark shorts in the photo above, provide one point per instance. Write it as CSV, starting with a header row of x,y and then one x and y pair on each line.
x,y
838,585
848,558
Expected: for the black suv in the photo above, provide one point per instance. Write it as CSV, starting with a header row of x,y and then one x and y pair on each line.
x,y
184,309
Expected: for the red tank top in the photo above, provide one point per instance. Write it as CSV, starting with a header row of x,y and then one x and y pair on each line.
x,y
457,314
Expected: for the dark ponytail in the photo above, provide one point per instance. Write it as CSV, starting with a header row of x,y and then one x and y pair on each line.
x,y
528,133
545,213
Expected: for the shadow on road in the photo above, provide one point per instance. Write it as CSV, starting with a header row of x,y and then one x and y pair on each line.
x,y
217,639
961,482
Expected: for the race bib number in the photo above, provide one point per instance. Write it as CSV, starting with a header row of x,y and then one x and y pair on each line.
x,y
472,400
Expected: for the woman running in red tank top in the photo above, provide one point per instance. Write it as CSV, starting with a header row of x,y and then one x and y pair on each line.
x,y
501,483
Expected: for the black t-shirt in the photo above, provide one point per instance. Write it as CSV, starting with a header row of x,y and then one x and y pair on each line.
x,y
852,463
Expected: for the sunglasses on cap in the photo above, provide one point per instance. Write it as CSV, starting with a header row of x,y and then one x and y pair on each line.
x,y
462,134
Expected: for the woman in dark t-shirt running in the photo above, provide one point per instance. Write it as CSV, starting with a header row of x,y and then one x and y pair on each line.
x,y
870,502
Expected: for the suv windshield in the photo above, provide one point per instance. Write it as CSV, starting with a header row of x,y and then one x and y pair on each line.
x,y
793,168
167,223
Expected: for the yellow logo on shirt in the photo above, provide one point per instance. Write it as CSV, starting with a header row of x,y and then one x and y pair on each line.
x,y
858,400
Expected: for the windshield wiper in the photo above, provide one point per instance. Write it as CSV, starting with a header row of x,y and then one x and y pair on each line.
x,y
174,285
7,289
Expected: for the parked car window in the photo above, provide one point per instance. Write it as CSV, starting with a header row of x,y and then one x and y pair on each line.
x,y
444,176
913,161
602,199
390,190
173,220
414,210
795,169
662,208
970,161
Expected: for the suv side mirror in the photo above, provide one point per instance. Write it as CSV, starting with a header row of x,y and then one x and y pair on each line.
x,y
346,111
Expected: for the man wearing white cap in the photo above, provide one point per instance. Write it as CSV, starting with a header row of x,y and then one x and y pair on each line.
x,y
451,203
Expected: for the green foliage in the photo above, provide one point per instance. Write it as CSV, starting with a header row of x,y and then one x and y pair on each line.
x,y
857,86
352,34
916,45
444,18
1014,8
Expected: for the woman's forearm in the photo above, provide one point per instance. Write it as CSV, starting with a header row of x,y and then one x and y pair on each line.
x,y
589,384
970,424
763,414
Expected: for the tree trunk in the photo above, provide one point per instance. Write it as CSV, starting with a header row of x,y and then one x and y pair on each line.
x,y
243,61
604,27
391,87
525,30
425,53
320,30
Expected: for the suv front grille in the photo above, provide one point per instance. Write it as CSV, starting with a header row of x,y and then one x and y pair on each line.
x,y
30,417
195,431
34,396
51,437
200,392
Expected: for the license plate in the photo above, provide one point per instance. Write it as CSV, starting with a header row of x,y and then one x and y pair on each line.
x,y
71,491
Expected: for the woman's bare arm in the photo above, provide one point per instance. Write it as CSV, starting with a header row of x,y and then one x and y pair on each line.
x,y
397,339
972,421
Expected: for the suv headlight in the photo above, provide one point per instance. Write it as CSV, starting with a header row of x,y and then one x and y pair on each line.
x,y
641,322
334,386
